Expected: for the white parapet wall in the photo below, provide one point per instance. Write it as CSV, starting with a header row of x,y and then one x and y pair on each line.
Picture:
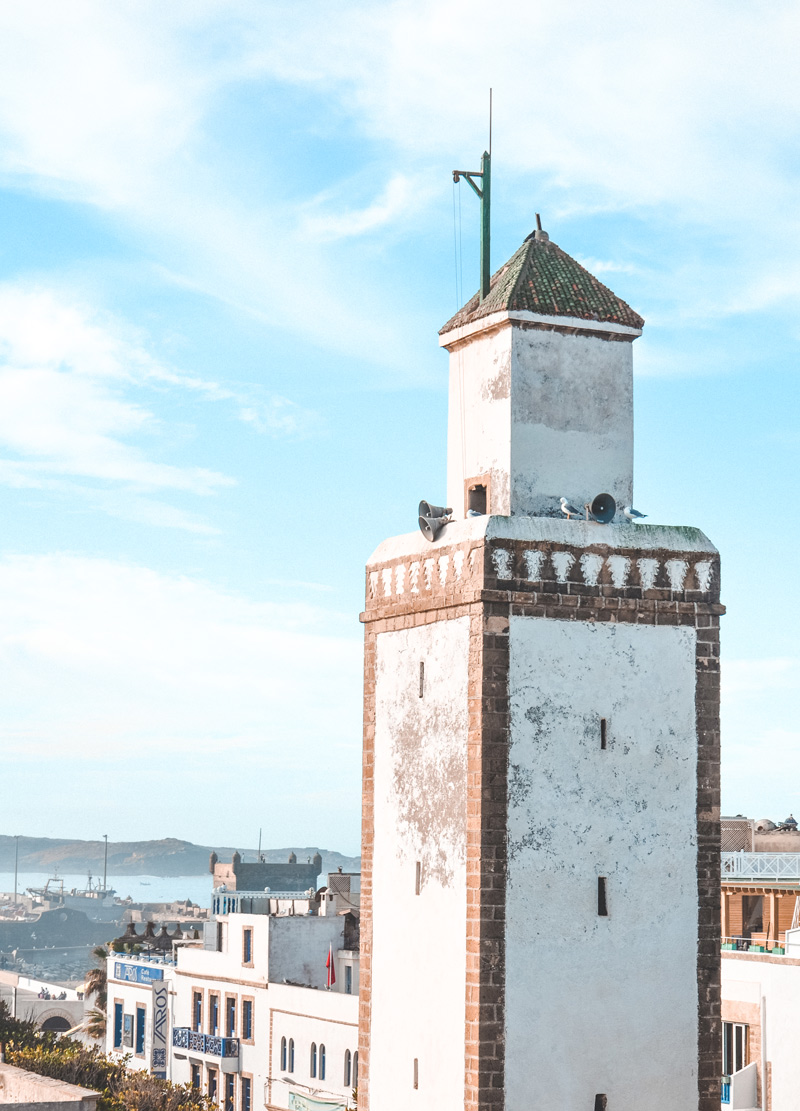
x,y
25,1090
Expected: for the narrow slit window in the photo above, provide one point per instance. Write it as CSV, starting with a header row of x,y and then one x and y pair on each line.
x,y
422,678
602,901
416,1072
600,1103
603,733
418,880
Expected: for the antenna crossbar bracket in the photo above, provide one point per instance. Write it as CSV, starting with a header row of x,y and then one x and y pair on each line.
x,y
468,175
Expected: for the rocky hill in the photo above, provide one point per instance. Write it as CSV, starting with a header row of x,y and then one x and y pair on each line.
x,y
167,857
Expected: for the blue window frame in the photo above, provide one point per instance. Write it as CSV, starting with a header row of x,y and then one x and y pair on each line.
x,y
247,1019
247,946
291,1054
141,1014
322,1062
117,1025
247,1097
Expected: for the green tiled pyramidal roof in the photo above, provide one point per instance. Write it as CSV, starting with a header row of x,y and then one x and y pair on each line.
x,y
542,278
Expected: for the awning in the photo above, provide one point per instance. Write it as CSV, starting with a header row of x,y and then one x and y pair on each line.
x,y
298,1102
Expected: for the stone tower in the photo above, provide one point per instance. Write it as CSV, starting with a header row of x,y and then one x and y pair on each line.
x,y
540,869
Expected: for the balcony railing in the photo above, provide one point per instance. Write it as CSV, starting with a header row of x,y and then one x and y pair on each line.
x,y
195,1042
761,866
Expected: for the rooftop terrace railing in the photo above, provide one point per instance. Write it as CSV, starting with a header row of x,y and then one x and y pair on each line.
x,y
761,866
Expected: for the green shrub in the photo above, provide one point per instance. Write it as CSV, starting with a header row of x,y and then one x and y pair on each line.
x,y
62,1058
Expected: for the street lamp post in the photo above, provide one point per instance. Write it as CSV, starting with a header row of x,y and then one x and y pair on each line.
x,y
16,865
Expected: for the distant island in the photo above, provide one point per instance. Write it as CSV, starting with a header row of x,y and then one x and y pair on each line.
x,y
166,857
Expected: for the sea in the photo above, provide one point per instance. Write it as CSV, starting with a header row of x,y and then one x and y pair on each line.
x,y
142,889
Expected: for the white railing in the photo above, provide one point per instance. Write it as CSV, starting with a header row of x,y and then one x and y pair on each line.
x,y
744,1085
768,866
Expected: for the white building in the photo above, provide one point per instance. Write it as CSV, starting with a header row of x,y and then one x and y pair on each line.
x,y
251,1019
761,978
139,986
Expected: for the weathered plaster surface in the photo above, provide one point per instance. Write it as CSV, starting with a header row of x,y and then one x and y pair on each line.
x,y
419,941
547,413
479,419
574,979
571,420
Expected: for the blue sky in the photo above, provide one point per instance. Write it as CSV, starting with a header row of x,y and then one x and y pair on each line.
x,y
227,246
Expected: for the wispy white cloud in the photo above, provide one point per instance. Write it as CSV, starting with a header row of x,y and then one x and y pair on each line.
x,y
276,415
688,110
321,221
102,656
65,404
79,393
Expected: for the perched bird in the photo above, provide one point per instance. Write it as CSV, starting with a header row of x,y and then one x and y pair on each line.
x,y
632,514
570,511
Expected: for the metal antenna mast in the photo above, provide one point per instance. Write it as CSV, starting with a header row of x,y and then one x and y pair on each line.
x,y
484,192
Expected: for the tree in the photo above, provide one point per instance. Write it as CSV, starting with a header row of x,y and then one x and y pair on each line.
x,y
97,985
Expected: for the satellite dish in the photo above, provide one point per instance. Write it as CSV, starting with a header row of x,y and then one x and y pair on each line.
x,y
603,508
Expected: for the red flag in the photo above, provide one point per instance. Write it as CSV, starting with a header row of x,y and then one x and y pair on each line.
x,y
330,964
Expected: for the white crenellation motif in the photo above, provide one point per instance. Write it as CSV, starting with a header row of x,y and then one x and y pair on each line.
x,y
413,577
502,560
619,566
648,570
419,574
562,561
702,572
534,559
591,566
676,573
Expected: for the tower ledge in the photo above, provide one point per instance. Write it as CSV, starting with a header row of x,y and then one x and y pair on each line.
x,y
604,572
572,325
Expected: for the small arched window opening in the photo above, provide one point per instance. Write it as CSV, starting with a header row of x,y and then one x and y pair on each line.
x,y
322,1062
347,1068
313,1063
291,1054
355,1069
283,1054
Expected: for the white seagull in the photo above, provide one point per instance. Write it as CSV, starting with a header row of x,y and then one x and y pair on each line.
x,y
570,511
632,514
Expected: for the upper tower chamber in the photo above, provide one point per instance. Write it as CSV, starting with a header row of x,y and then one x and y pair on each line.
x,y
541,389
